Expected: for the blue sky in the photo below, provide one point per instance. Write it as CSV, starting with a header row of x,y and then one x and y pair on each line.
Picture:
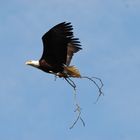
x,y
33,106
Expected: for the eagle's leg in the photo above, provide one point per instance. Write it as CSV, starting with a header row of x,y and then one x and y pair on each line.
x,y
70,82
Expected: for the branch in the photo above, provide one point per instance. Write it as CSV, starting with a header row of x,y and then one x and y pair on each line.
x,y
96,84
78,109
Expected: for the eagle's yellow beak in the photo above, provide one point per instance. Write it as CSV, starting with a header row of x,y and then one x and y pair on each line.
x,y
28,62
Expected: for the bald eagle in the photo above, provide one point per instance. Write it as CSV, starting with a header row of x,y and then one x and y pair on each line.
x,y
59,45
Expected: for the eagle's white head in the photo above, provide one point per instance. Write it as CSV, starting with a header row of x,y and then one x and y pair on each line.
x,y
34,63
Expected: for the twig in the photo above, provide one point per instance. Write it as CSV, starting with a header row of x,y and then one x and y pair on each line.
x,y
99,87
78,109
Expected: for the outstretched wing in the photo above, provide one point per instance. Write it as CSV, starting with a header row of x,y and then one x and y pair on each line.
x,y
56,44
